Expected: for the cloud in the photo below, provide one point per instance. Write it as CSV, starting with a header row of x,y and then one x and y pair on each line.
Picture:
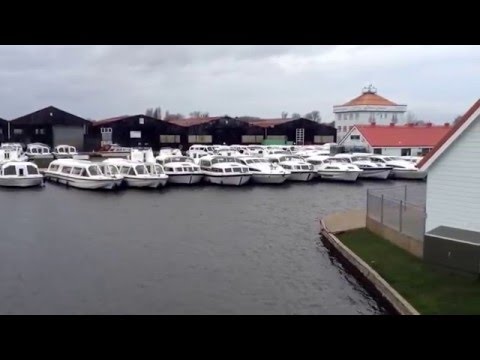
x,y
436,82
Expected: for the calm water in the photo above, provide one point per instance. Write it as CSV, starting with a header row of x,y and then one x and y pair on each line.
x,y
179,250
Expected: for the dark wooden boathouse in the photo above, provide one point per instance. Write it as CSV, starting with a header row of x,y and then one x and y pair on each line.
x,y
4,135
220,130
298,131
136,131
50,126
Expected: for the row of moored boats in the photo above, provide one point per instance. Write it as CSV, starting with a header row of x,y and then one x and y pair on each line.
x,y
232,165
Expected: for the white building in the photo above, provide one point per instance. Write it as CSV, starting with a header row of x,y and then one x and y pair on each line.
x,y
366,109
394,140
453,184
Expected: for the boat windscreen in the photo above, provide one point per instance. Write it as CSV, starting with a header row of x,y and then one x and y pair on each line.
x,y
94,170
141,170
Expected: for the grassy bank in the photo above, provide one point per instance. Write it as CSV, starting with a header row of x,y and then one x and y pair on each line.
x,y
429,289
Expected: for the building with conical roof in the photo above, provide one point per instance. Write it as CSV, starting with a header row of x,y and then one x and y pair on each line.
x,y
368,108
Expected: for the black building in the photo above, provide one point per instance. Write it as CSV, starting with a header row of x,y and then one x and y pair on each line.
x,y
136,131
50,126
220,130
299,131
3,130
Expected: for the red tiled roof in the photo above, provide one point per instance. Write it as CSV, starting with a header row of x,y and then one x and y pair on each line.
x,y
369,98
109,120
404,135
194,121
453,130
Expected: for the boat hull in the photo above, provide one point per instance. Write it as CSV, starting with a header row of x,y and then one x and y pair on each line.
x,y
381,174
144,183
269,178
339,175
301,176
408,174
234,180
184,179
88,184
21,182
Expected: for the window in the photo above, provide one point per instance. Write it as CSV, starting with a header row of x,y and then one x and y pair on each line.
x,y
377,151
357,115
339,128
406,152
94,170
141,121
339,116
200,139
76,171
344,128
135,134
84,173
10,170
17,131
350,116
40,132
105,130
125,170
66,170
252,139
354,137
170,139
53,168
32,170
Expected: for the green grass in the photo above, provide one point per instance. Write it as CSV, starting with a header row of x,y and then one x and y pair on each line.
x,y
429,289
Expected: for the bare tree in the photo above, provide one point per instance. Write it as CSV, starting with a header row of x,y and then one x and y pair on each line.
x,y
284,115
457,119
296,116
314,116
149,112
205,115
195,114
157,113
170,117
411,117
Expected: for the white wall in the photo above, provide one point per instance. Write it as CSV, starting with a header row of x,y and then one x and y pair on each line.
x,y
347,116
453,184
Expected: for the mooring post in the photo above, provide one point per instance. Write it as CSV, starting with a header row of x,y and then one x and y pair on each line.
x,y
381,213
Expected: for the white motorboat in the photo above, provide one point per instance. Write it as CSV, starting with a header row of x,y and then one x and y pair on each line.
x,y
136,174
113,171
401,169
208,149
371,170
224,170
14,148
263,171
80,174
300,170
328,168
113,151
64,152
180,169
19,174
38,151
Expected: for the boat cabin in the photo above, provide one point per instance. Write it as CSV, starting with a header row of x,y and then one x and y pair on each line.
x,y
37,149
65,150
75,168
18,168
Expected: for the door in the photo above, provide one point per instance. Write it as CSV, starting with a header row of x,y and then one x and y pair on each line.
x,y
68,135
300,136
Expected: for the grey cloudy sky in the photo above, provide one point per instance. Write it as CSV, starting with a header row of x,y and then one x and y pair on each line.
x,y
436,82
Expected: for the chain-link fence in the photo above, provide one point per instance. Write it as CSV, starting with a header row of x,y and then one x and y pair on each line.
x,y
394,211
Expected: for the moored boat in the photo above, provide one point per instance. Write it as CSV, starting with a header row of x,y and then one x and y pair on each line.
x,y
80,174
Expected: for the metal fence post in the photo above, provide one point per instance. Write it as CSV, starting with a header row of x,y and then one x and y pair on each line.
x,y
381,213
401,217
405,195
368,195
